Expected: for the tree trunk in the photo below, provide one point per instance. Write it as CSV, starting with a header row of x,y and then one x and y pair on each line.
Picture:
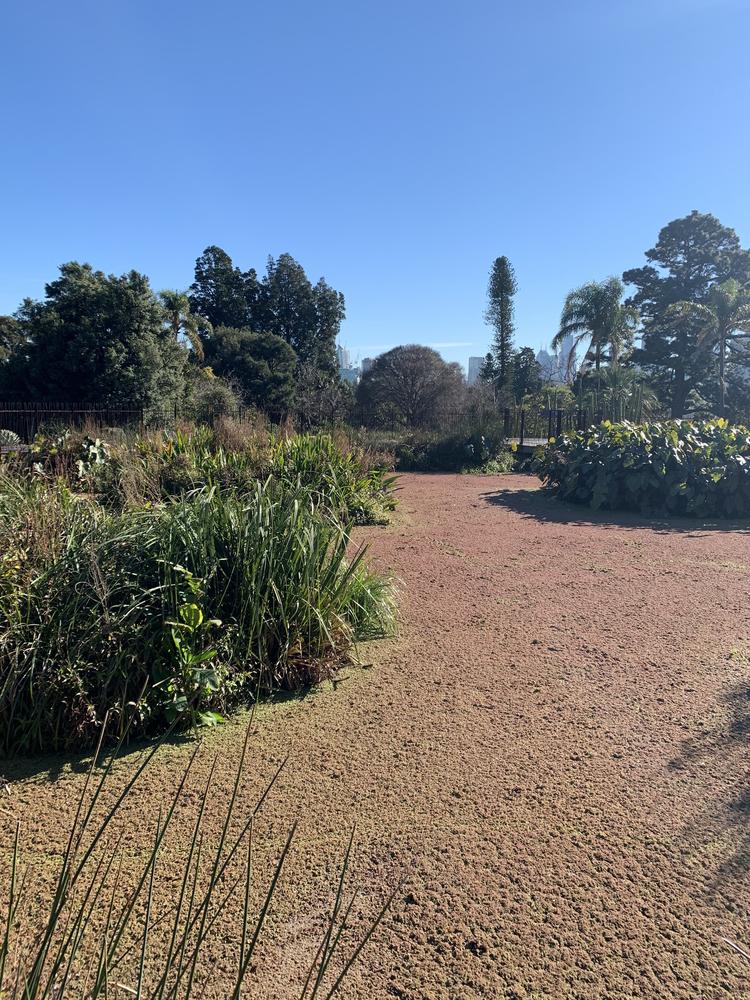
x,y
679,392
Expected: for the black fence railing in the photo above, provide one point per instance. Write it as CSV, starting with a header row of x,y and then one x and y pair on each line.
x,y
527,426
522,425
26,419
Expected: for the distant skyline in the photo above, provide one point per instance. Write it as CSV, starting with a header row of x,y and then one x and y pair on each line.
x,y
395,149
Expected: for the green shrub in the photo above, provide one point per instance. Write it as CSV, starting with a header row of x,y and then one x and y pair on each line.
x,y
464,452
348,480
337,478
681,467
197,603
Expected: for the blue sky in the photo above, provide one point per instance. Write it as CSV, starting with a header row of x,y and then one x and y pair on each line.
x,y
396,148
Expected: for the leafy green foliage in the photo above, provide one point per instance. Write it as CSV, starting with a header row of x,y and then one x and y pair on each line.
x,y
337,478
176,574
260,365
346,479
474,451
88,598
284,303
692,256
593,314
678,467
9,439
96,338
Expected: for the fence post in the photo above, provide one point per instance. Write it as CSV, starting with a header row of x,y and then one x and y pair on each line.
x,y
521,428
549,424
558,428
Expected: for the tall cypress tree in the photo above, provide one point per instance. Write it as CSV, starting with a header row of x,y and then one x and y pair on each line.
x,y
499,314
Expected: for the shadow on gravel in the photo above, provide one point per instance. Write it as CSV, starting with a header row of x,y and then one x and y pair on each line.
x,y
542,506
728,747
52,765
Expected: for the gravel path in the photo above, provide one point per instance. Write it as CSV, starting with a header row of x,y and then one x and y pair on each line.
x,y
554,752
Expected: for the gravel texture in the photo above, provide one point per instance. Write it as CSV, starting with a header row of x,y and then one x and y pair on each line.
x,y
553,753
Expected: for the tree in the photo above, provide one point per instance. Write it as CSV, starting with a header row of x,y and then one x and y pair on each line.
x,y
526,374
411,385
321,399
488,373
724,318
307,318
594,313
220,291
692,255
261,365
11,338
499,314
182,321
100,339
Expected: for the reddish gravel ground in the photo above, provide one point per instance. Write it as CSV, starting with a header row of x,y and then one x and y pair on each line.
x,y
554,752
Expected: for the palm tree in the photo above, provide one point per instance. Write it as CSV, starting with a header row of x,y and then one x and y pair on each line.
x,y
625,396
724,318
181,320
594,313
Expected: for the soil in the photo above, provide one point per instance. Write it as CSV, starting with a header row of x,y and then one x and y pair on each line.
x,y
553,754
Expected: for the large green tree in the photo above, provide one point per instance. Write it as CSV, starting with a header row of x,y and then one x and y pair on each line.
x,y
526,374
692,255
97,339
308,317
11,337
261,365
594,315
220,291
719,324
411,385
501,288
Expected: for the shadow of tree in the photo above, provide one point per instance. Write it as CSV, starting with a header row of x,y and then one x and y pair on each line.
x,y
728,746
543,506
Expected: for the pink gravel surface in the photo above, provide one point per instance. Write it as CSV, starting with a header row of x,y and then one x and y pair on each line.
x,y
553,752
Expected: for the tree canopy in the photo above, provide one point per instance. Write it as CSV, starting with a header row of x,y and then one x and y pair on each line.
x,y
98,339
411,385
692,256
285,303
501,288
261,365
594,315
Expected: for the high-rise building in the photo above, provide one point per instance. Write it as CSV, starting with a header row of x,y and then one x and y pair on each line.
x,y
343,357
475,366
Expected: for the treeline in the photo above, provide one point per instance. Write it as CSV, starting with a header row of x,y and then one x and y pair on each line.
x,y
111,340
678,344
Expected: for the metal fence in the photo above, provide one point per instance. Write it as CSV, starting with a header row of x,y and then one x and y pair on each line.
x,y
517,424
29,418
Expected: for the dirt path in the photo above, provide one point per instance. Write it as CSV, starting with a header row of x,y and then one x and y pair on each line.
x,y
555,751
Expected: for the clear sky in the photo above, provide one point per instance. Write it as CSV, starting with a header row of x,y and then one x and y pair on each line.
x,y
395,147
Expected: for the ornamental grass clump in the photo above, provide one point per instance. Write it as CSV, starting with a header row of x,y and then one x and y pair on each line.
x,y
337,477
184,608
676,467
